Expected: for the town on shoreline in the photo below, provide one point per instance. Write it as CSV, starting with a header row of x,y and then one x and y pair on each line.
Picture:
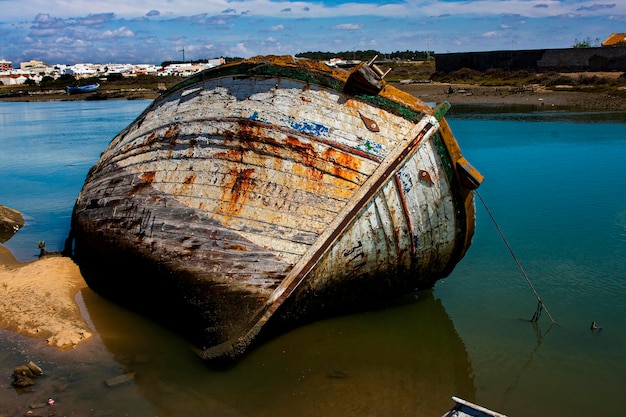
x,y
594,91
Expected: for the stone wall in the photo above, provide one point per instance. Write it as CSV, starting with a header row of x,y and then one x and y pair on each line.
x,y
538,60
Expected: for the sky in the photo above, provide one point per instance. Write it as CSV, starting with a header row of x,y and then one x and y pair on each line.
x,y
154,31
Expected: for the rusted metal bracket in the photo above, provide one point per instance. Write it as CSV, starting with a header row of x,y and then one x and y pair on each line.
x,y
425,176
370,124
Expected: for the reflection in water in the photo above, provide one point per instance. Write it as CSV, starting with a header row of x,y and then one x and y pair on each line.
x,y
399,361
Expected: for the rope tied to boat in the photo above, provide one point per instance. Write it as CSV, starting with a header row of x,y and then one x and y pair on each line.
x,y
538,310
540,305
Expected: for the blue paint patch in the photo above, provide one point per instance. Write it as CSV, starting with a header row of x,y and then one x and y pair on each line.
x,y
255,117
407,182
373,148
310,128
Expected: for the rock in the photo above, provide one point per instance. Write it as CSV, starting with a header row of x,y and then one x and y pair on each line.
x,y
23,377
26,375
34,368
119,380
10,222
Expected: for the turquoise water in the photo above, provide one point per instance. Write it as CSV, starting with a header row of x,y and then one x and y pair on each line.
x,y
555,182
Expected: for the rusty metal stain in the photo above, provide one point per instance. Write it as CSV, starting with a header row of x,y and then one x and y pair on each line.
x,y
304,149
235,197
237,248
172,131
345,166
151,139
425,176
369,123
148,176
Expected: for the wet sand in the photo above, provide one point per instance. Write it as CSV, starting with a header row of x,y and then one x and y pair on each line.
x,y
38,299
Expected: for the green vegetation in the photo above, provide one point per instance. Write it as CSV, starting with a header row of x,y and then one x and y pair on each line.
x,y
615,85
586,43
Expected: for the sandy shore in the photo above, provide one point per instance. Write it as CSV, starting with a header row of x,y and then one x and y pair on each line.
x,y
37,299
535,96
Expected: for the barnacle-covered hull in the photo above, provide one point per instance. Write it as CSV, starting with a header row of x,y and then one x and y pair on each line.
x,y
273,191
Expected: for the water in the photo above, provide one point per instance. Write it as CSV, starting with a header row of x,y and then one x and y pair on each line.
x,y
46,150
554,182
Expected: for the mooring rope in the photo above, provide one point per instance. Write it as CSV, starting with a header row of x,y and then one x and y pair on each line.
x,y
540,305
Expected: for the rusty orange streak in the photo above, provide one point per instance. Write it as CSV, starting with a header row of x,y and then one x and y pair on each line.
x,y
345,166
240,189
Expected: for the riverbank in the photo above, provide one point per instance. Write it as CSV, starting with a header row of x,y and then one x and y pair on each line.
x,y
463,94
433,92
61,95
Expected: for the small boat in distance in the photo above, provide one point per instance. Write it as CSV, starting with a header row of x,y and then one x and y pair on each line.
x,y
80,89
274,191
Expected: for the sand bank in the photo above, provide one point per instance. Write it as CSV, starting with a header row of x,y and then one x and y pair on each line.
x,y
37,299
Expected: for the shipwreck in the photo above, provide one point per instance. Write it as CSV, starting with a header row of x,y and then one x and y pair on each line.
x,y
268,192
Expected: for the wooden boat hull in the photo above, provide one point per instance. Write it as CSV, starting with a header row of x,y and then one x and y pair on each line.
x,y
273,190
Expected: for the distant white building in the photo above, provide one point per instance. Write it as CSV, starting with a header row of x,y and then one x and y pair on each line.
x,y
36,70
81,70
186,69
13,77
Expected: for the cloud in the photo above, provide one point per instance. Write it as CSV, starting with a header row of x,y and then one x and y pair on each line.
x,y
33,31
596,7
491,34
238,50
45,21
95,19
348,26
122,32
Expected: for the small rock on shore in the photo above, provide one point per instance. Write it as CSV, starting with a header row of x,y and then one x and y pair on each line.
x,y
10,222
